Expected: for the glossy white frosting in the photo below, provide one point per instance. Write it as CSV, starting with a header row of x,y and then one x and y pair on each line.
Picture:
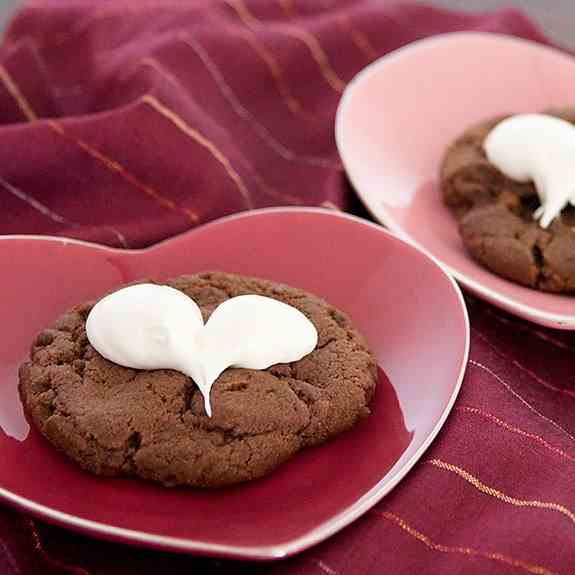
x,y
538,148
150,326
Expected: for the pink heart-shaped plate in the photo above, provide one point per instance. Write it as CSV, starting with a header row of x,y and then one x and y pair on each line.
x,y
410,310
397,117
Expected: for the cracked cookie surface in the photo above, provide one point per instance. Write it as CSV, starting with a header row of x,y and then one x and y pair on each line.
x,y
495,216
113,420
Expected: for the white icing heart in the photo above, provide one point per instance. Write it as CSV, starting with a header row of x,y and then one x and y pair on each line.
x,y
541,149
149,326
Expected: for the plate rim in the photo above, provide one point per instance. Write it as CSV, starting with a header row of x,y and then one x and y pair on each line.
x,y
316,534
548,319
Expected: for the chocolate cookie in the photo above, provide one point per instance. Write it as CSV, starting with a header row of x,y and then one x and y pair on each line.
x,y
495,216
118,421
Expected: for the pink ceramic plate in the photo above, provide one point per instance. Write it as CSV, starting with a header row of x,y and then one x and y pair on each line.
x,y
411,312
397,117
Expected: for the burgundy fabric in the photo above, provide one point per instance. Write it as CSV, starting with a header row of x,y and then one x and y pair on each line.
x,y
126,122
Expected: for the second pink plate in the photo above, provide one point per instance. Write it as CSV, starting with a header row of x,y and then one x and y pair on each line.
x,y
397,117
410,310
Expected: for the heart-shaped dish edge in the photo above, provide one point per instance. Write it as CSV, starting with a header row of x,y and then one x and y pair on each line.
x,y
379,212
271,552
